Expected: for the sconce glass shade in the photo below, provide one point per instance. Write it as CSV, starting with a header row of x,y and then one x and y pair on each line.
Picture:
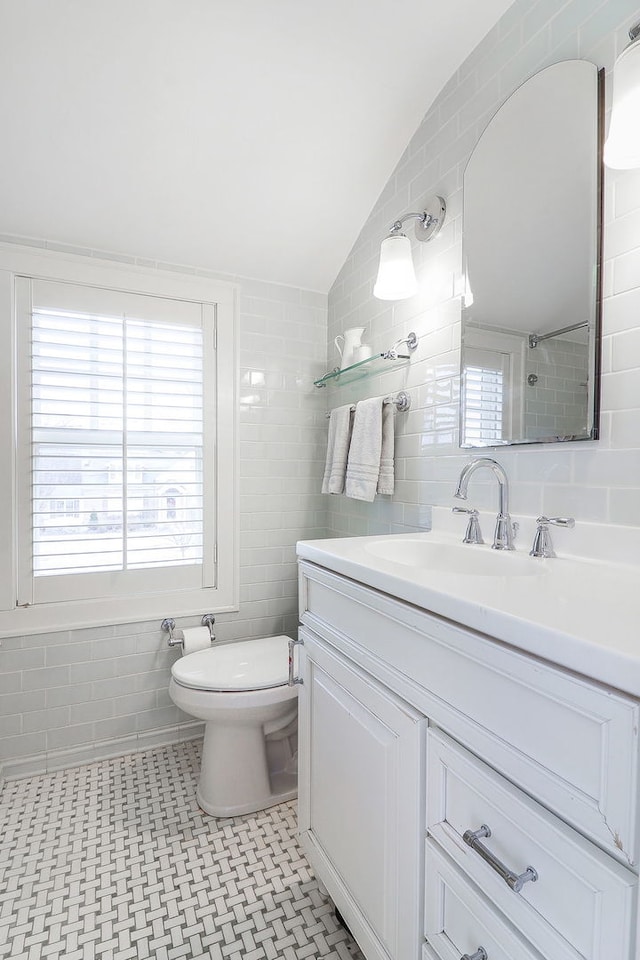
x,y
622,149
396,275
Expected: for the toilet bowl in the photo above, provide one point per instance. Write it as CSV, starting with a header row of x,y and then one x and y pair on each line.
x,y
241,691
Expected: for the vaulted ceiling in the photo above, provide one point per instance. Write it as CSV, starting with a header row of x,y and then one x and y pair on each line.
x,y
243,136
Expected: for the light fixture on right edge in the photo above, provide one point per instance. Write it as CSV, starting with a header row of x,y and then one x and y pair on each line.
x,y
622,149
396,274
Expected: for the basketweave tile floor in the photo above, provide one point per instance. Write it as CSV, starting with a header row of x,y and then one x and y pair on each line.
x,y
115,860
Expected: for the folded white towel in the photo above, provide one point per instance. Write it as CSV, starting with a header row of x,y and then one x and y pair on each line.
x,y
386,476
370,463
340,423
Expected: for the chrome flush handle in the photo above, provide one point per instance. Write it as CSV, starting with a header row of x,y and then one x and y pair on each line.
x,y
293,680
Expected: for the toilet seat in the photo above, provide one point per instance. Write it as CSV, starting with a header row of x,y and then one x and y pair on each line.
x,y
234,667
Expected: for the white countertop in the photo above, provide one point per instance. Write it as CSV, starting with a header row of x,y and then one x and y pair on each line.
x,y
574,611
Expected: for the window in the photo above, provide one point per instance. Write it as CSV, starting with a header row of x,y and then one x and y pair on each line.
x,y
125,479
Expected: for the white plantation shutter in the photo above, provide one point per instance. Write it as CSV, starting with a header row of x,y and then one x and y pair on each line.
x,y
484,413
119,448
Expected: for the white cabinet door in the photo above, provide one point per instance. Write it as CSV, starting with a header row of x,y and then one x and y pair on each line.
x,y
360,797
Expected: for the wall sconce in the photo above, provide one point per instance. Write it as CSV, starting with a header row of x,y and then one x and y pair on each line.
x,y
396,275
622,149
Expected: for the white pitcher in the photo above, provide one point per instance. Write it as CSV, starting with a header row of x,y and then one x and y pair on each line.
x,y
350,342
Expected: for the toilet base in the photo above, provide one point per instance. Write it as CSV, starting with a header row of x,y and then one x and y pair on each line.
x,y
289,792
235,777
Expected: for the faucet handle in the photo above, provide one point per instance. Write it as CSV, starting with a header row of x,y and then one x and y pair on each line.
x,y
542,546
473,533
558,521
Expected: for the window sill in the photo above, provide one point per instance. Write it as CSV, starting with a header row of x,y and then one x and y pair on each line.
x,y
79,614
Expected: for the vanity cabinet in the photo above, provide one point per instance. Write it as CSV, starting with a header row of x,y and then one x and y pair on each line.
x,y
361,797
416,732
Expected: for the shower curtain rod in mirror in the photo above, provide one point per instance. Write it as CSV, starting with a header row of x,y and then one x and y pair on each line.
x,y
536,338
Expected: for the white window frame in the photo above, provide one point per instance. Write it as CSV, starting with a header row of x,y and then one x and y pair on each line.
x,y
488,362
16,261
514,345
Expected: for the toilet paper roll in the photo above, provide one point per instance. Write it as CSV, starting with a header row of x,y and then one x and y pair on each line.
x,y
195,638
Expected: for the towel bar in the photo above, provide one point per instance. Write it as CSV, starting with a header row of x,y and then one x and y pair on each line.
x,y
402,401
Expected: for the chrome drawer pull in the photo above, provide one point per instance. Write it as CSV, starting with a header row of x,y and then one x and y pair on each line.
x,y
293,680
515,880
480,954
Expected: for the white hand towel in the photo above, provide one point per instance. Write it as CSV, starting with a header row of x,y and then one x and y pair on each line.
x,y
363,465
386,475
340,422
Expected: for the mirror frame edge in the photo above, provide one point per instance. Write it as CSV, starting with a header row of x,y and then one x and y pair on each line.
x,y
597,329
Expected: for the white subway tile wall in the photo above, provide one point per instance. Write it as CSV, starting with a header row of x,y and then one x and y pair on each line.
x,y
83,695
597,481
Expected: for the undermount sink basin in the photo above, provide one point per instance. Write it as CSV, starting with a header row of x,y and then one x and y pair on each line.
x,y
462,559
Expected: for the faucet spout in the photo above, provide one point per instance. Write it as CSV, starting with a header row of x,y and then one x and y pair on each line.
x,y
503,537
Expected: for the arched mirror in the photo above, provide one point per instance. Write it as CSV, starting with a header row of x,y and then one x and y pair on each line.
x,y
531,256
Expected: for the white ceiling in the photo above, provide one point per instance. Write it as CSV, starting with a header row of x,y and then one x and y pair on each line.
x,y
250,137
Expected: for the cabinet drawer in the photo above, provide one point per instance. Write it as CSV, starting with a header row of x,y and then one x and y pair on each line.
x,y
564,739
459,920
581,902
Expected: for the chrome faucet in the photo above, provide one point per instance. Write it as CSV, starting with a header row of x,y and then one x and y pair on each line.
x,y
503,536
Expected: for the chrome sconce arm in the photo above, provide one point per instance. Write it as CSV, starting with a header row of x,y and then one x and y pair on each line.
x,y
429,221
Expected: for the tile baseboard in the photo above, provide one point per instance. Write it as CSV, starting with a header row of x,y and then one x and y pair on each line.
x,y
63,759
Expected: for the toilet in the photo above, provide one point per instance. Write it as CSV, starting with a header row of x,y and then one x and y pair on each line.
x,y
241,691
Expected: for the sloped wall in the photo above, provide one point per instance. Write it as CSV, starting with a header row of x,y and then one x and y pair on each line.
x,y
597,481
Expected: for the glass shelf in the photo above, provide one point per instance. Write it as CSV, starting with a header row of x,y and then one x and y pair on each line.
x,y
360,369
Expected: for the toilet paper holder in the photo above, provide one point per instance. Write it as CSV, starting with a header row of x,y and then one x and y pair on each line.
x,y
169,625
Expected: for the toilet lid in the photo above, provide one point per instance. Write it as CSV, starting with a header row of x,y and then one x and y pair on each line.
x,y
247,665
